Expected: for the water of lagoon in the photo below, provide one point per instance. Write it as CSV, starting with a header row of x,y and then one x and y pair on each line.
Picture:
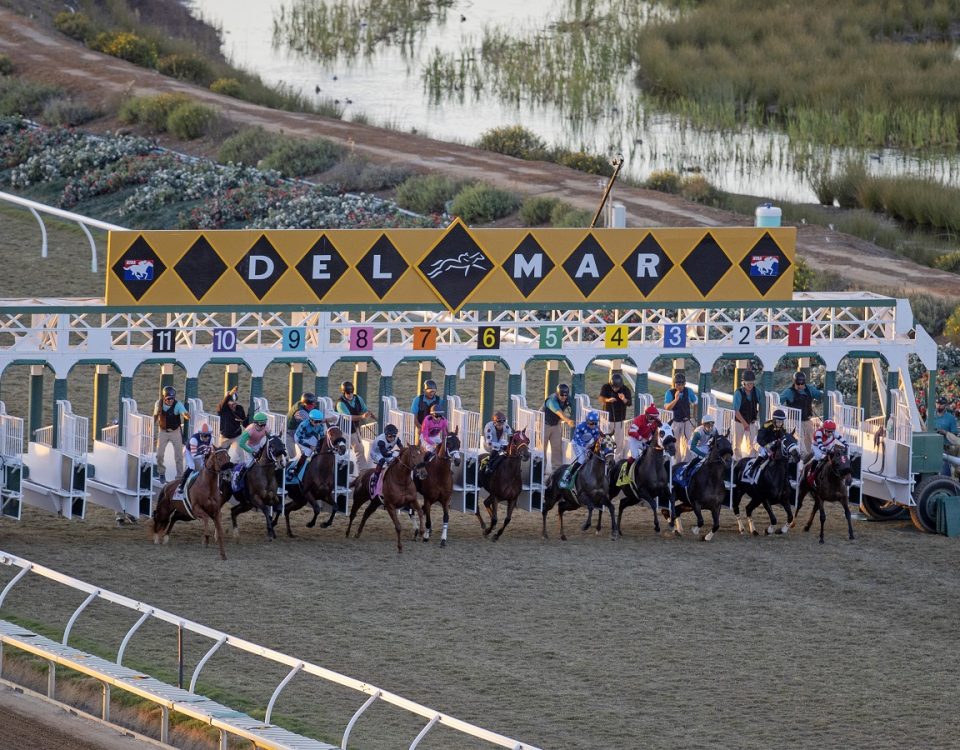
x,y
387,89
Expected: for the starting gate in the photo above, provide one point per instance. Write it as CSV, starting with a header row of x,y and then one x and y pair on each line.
x,y
11,464
199,416
466,481
56,471
122,479
534,477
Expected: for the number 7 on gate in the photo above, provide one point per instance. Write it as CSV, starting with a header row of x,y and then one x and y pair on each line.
x,y
424,337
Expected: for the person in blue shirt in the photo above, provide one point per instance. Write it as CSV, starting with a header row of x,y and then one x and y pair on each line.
x,y
352,406
422,403
801,396
557,412
586,434
308,435
680,400
169,414
943,422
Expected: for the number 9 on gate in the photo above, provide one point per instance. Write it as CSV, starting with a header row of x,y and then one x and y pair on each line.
x,y
294,339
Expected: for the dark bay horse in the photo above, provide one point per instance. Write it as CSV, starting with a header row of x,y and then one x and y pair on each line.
x,y
318,481
437,487
649,480
772,486
260,485
205,501
831,484
399,491
591,488
505,483
705,488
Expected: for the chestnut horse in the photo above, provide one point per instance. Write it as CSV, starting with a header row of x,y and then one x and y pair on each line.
x,y
506,483
399,491
438,485
205,501
318,481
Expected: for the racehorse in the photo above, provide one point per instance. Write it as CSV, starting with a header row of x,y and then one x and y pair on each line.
x,y
437,487
318,481
505,483
591,487
399,491
260,485
705,489
204,497
830,484
772,485
649,480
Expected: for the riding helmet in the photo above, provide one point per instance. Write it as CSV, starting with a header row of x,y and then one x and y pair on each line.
x,y
707,419
616,379
829,425
204,429
346,385
563,389
941,400
799,378
390,430
169,392
315,415
260,418
437,409
499,417
652,411
779,414
592,416
429,385
308,398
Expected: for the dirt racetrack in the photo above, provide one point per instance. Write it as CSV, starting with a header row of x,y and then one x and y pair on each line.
x,y
641,643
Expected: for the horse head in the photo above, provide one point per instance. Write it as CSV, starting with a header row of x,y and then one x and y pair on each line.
x,y
667,441
275,449
720,446
216,460
452,446
519,444
840,461
787,448
411,458
336,441
606,448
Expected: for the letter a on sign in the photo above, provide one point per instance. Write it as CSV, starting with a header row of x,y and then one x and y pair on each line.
x,y
798,334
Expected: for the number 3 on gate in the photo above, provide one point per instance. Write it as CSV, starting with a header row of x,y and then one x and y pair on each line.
x,y
294,339
675,336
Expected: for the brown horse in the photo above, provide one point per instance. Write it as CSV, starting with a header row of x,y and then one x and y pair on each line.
x,y
831,483
399,491
205,501
318,481
260,485
506,483
438,485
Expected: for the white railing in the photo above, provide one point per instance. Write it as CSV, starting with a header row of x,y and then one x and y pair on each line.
x,y
73,439
849,419
402,420
583,406
11,434
792,422
138,436
199,416
84,223
276,422
44,436
220,639
530,420
902,431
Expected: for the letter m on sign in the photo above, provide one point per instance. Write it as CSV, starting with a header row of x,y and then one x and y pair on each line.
x,y
798,334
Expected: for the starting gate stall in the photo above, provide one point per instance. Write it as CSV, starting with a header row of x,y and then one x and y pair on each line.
x,y
792,422
199,415
345,468
11,464
276,425
466,482
122,479
56,470
531,420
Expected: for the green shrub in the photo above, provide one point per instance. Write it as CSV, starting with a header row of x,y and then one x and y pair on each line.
x,y
583,162
248,146
427,194
565,215
293,157
481,204
358,174
68,113
19,96
191,68
6,65
806,279
536,211
948,262
929,311
665,181
75,25
952,327
228,87
151,111
698,189
190,120
513,140
127,46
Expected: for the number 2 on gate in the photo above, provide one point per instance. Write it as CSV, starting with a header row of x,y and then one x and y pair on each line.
x,y
425,337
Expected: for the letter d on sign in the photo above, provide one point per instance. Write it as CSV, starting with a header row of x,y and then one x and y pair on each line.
x,y
254,272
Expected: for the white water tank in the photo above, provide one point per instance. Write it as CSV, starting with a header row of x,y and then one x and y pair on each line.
x,y
768,215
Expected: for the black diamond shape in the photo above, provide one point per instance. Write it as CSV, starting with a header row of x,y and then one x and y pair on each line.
x,y
528,265
138,252
588,265
264,263
456,266
764,274
647,265
382,266
200,267
322,266
706,264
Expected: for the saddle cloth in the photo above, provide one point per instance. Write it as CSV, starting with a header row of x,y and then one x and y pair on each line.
x,y
376,483
187,504
751,472
683,473
236,482
624,478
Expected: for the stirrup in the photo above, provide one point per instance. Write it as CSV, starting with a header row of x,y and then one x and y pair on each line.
x,y
179,494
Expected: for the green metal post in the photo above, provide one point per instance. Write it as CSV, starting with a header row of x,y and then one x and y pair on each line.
x,y
931,394
294,383
256,390
513,389
450,385
893,382
829,384
642,383
231,377
705,384
35,404
577,384
101,399
360,380
59,394
488,379
766,383
322,388
190,390
865,388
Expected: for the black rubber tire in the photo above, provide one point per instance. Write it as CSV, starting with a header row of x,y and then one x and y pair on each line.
x,y
923,514
880,510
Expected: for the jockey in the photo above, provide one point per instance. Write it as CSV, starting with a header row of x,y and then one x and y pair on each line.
x,y
584,437
825,438
308,436
194,452
496,438
773,430
386,448
253,438
641,430
700,443
433,430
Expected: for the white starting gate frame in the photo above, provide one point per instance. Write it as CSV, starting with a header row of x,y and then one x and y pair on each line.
x,y
56,475
11,464
199,415
466,481
122,479
534,475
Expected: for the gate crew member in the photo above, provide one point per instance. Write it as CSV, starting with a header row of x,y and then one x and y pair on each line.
x,y
801,396
233,419
496,438
746,410
351,406
194,454
422,404
557,411
169,415
945,423
616,397
299,412
680,400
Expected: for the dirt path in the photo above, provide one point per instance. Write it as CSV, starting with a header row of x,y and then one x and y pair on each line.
x,y
52,57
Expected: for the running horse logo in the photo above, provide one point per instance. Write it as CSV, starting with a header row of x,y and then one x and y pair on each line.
x,y
464,262
138,270
764,265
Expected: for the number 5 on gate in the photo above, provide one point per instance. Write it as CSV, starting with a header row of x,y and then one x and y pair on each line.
x,y
425,337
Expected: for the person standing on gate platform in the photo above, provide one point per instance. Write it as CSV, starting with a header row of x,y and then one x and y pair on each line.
x,y
194,454
746,412
944,423
299,412
616,397
352,406
801,396
681,400
169,415
557,411
422,404
233,419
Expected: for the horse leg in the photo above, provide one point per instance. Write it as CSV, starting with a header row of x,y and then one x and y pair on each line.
x,y
234,512
737,498
813,513
846,512
589,522
510,506
715,512
652,502
614,529
491,505
396,524
446,523
790,518
374,504
427,524
218,526
600,517
329,522
267,514
698,512
823,517
288,508
206,532
419,517
752,506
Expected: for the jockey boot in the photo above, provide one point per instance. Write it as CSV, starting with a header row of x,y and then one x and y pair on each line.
x,y
294,471
178,495
565,478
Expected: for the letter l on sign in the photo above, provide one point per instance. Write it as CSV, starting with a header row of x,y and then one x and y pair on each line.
x,y
798,334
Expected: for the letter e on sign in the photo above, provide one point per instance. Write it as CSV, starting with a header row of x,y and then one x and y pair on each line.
x,y
799,334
